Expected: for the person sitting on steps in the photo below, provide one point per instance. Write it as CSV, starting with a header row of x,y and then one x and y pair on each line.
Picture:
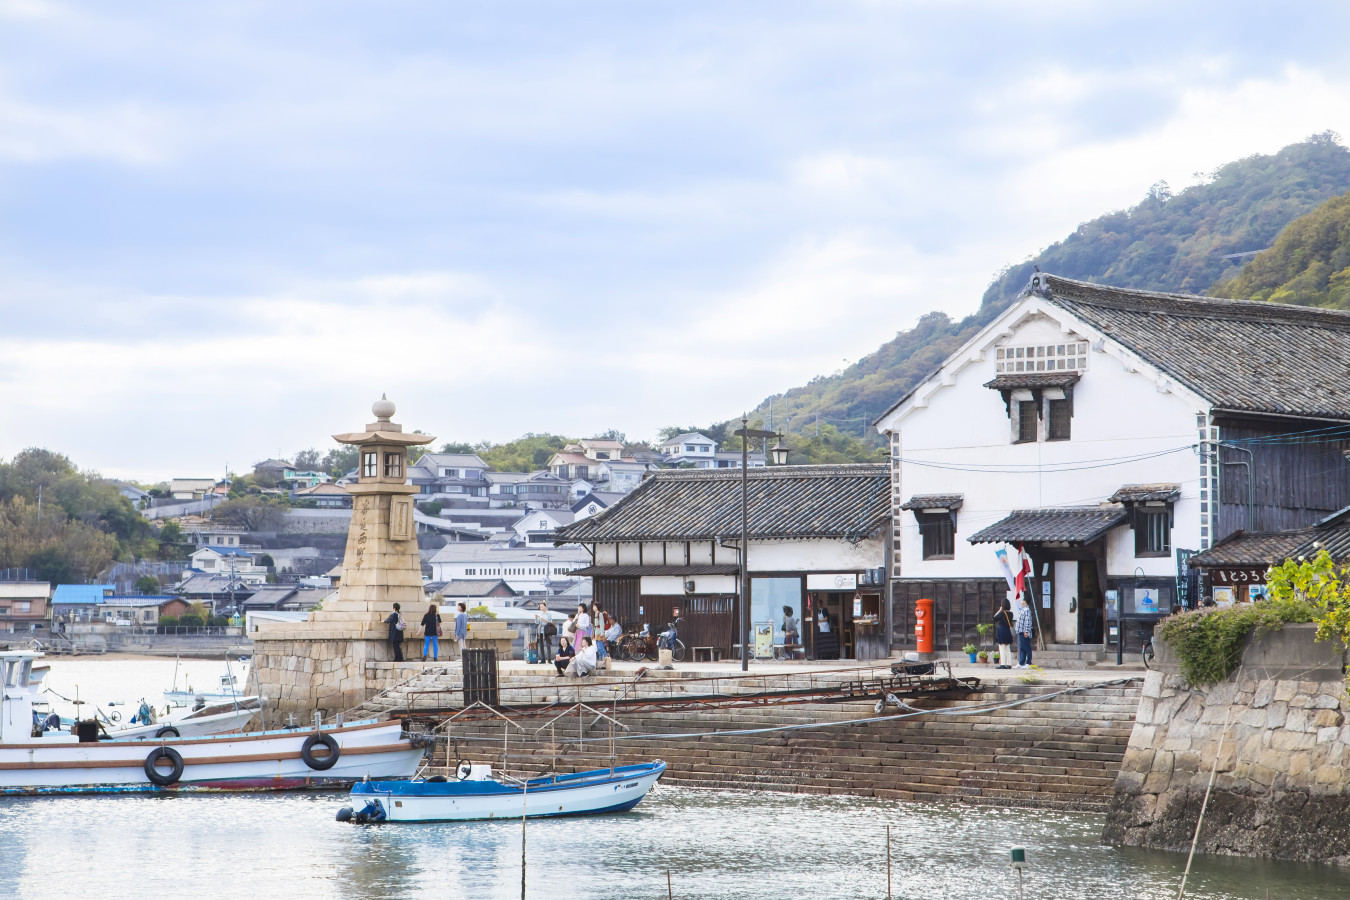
x,y
585,662
564,656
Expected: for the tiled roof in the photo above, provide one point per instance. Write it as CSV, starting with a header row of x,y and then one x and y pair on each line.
x,y
1241,355
1144,493
633,571
934,501
843,501
1033,380
471,587
1255,549
1075,525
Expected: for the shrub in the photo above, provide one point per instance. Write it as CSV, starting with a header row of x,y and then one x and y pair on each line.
x,y
481,612
190,619
1208,642
168,621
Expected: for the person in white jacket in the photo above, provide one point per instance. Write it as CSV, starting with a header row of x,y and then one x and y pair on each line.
x,y
585,661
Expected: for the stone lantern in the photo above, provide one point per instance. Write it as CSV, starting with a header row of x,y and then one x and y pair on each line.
x,y
340,655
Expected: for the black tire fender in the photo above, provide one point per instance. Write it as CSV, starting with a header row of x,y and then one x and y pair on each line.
x,y
161,778
320,763
167,731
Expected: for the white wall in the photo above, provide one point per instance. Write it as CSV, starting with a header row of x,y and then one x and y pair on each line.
x,y
1116,413
816,556
703,584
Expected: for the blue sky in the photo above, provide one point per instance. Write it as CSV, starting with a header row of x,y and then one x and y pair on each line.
x,y
226,228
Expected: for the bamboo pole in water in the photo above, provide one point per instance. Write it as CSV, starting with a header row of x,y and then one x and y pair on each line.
x,y
1195,839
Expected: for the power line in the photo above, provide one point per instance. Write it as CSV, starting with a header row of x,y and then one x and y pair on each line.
x,y
1034,468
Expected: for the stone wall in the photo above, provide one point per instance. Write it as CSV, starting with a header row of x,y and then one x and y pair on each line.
x,y
1283,785
302,676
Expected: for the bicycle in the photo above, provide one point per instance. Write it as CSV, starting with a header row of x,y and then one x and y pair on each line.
x,y
1146,648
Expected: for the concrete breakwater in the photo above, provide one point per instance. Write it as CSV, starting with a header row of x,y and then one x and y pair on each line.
x,y
1282,787
1054,751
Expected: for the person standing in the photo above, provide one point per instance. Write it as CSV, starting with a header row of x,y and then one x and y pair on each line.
x,y
1003,634
544,632
396,626
431,634
569,631
1023,632
461,627
583,625
791,632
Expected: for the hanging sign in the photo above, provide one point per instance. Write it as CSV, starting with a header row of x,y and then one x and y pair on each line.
x,y
1230,575
843,581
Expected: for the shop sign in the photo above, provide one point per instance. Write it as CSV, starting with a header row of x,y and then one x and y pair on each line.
x,y
843,581
1238,575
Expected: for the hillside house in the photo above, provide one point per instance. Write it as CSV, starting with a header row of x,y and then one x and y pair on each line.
x,y
141,609
191,488
79,602
455,479
1111,433
537,526
24,606
527,570
537,489
231,561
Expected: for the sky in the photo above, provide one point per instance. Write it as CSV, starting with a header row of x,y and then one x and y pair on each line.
x,y
227,228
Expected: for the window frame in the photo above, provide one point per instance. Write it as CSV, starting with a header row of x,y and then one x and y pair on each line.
x,y
393,464
1024,421
1067,421
370,464
937,533
1145,526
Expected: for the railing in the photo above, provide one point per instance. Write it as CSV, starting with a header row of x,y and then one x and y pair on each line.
x,y
219,630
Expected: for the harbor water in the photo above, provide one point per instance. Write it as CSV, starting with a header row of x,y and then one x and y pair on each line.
x,y
719,844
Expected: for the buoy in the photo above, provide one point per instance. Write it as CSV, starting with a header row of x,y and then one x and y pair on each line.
x,y
344,814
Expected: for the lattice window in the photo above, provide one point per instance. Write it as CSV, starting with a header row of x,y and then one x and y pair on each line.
x,y
1067,357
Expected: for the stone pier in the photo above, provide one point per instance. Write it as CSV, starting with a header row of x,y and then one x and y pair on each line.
x,y
1283,783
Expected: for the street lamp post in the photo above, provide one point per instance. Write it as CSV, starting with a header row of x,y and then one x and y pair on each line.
x,y
780,455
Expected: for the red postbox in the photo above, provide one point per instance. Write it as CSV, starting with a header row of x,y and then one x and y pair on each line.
x,y
923,625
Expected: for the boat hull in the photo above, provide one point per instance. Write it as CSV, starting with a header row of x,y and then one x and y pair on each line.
x,y
236,762
586,793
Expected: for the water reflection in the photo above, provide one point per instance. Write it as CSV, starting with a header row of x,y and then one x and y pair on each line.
x,y
715,844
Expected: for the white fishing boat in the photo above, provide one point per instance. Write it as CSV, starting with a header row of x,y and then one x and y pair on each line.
x,y
218,718
34,762
480,795
228,689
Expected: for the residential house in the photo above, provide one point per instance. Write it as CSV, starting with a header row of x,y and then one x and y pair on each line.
x,y
304,478
272,469
209,534
698,451
537,489
689,449
537,526
817,546
218,592
191,488
230,561
141,609
25,606
285,597
324,496
598,449
593,503
620,476
528,570
570,465
1234,568
79,602
450,478
1111,433
139,499
473,591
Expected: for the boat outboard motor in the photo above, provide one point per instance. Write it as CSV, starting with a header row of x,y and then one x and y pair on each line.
x,y
370,814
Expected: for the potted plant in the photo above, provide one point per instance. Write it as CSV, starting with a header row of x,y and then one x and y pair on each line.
x,y
970,650
984,657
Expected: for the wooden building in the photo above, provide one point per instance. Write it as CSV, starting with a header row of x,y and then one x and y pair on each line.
x,y
1234,570
816,545
1110,433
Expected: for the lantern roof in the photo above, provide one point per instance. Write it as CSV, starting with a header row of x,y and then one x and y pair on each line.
x,y
382,430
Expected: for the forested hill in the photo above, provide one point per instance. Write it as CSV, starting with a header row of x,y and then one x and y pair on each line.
x,y
1172,242
1309,263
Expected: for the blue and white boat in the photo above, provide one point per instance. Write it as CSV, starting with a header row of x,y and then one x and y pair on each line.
x,y
478,794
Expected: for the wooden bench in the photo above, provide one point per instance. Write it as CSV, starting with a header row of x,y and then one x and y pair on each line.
x,y
713,653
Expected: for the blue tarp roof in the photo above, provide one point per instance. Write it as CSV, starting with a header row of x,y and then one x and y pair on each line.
x,y
227,551
81,593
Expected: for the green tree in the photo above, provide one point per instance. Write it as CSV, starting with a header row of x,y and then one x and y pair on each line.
x,y
256,513
308,460
1309,263
147,584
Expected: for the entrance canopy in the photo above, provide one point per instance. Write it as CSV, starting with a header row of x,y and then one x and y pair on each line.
x,y
1071,525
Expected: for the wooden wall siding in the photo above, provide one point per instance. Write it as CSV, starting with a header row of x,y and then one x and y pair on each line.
x,y
709,621
958,606
1296,482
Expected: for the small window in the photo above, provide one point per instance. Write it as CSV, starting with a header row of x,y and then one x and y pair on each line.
x,y
1026,421
1059,421
939,535
370,465
1153,532
393,465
